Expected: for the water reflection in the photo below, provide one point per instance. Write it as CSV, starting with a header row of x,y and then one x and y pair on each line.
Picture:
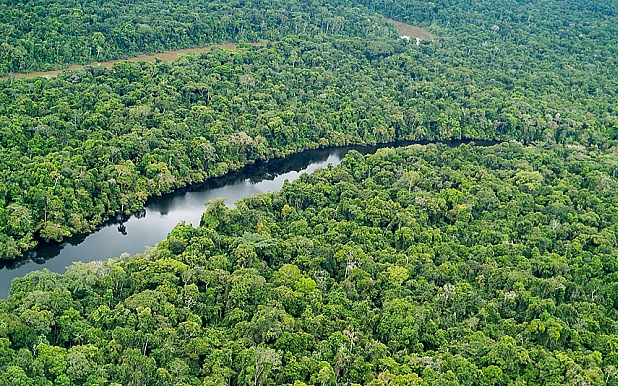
x,y
132,234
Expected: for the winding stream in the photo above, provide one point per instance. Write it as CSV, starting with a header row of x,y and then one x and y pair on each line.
x,y
132,234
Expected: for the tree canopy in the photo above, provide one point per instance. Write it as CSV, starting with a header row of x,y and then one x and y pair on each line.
x,y
89,144
422,265
47,34
416,266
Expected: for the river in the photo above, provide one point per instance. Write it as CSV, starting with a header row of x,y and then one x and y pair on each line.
x,y
132,234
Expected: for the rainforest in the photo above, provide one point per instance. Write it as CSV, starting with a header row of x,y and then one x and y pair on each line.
x,y
419,265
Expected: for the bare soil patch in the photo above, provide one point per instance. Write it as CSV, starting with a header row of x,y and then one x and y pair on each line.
x,y
166,56
412,31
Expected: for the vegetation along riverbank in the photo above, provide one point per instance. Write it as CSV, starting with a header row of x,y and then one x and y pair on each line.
x,y
423,265
420,265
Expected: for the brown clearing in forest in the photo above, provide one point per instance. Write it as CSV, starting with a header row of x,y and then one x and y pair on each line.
x,y
166,56
412,31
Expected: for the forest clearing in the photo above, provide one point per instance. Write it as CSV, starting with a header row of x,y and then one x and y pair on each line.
x,y
165,56
412,31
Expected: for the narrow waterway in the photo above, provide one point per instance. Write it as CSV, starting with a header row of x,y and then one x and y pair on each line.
x,y
132,234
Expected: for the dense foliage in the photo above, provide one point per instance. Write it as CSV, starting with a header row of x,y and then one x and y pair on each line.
x,y
79,148
560,51
46,34
89,144
416,266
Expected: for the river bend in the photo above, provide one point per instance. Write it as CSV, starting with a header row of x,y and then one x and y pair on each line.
x,y
132,234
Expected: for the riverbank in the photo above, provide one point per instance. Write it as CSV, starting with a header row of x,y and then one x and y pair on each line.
x,y
161,214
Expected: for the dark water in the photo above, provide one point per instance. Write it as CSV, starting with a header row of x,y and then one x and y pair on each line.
x,y
134,233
